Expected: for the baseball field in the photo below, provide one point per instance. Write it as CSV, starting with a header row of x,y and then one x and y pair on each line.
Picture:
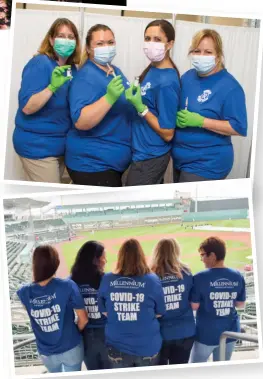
x,y
238,243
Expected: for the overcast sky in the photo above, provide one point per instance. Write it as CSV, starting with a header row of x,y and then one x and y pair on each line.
x,y
205,191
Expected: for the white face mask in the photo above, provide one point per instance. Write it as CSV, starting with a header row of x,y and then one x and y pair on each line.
x,y
203,63
104,54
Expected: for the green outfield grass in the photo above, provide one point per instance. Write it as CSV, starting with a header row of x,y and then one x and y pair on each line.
x,y
236,251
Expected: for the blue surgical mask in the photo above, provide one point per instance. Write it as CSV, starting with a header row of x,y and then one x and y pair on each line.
x,y
203,63
64,47
104,54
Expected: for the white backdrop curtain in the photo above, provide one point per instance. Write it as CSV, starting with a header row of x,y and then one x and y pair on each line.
x,y
240,50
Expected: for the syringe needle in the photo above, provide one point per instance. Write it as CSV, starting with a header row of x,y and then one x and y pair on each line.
x,y
111,69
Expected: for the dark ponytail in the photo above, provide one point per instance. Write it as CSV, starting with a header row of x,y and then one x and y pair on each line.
x,y
169,31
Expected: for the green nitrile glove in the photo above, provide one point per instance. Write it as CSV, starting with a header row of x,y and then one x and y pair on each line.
x,y
58,78
189,119
114,90
135,99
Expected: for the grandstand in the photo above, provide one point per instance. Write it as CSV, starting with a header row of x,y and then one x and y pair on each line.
x,y
69,223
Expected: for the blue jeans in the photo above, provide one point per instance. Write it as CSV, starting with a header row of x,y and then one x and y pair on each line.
x,y
68,361
95,351
201,352
119,359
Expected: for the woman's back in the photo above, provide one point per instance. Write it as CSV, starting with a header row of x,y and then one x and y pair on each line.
x,y
90,297
217,290
178,322
132,304
50,308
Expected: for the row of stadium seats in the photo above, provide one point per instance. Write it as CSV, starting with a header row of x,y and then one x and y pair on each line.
x,y
13,250
37,224
123,211
45,224
16,227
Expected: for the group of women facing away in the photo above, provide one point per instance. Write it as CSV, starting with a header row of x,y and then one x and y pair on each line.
x,y
85,115
136,315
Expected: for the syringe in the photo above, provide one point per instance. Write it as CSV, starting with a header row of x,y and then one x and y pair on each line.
x,y
186,104
111,70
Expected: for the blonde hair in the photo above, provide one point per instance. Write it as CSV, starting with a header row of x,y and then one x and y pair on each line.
x,y
47,49
131,259
215,36
93,29
166,259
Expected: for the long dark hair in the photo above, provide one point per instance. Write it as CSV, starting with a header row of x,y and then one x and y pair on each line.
x,y
85,269
169,31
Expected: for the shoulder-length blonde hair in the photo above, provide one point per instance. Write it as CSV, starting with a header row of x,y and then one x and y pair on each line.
x,y
131,259
215,36
166,259
46,47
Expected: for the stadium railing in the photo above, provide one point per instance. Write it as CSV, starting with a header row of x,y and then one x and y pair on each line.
x,y
25,350
238,336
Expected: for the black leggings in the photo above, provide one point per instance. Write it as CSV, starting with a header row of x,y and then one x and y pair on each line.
x,y
108,178
176,351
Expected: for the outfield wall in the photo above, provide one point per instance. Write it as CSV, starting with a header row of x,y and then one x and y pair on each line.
x,y
216,215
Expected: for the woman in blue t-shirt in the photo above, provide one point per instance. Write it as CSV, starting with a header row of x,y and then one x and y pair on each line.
x,y
178,324
87,272
50,303
98,148
155,101
217,292
43,116
132,298
213,108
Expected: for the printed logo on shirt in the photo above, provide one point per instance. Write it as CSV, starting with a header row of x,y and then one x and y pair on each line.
x,y
42,300
223,283
145,88
204,97
169,278
126,282
87,290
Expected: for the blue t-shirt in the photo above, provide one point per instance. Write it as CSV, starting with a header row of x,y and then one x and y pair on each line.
x,y
178,322
90,296
160,91
132,304
43,133
217,291
50,309
219,97
107,145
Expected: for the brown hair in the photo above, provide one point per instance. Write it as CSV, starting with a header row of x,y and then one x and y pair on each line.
x,y
166,259
93,29
45,262
215,36
169,31
131,259
47,49
214,245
